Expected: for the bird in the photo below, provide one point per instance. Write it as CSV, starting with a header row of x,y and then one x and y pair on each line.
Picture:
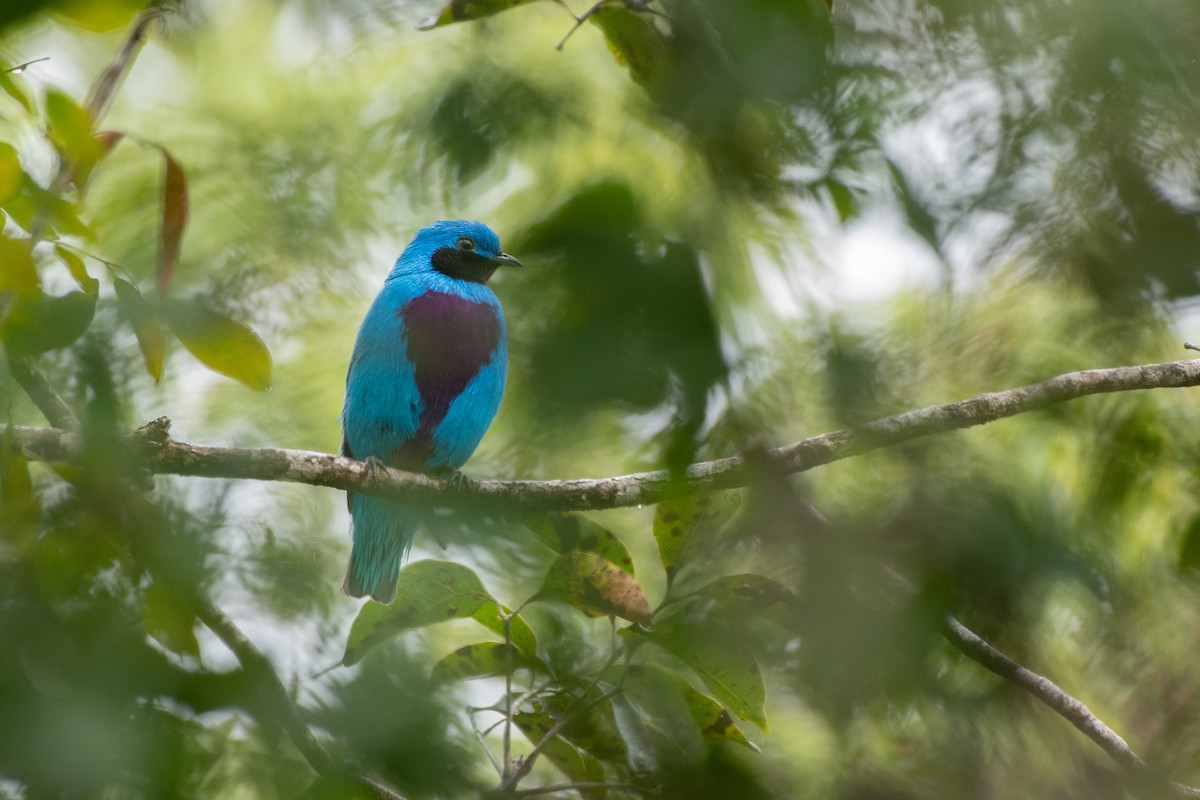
x,y
426,378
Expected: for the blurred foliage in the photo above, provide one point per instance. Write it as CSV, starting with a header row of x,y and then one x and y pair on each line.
x,y
680,176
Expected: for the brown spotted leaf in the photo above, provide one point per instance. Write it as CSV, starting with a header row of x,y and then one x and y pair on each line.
x,y
752,596
595,586
174,217
567,531
713,719
681,521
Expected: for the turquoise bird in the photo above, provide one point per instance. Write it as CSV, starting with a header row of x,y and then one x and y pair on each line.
x,y
425,381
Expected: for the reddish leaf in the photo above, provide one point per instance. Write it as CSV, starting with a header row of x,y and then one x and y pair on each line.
x,y
174,217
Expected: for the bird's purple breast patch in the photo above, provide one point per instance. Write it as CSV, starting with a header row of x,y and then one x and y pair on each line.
x,y
450,339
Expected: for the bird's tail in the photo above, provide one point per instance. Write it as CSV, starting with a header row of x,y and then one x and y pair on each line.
x,y
383,533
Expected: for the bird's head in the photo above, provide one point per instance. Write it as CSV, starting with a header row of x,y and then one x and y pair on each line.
x,y
461,249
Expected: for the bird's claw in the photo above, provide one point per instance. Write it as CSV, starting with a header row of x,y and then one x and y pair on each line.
x,y
375,466
458,481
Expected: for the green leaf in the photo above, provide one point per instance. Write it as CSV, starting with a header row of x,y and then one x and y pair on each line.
x,y
564,532
681,521
224,345
633,39
596,587
13,90
18,273
670,701
78,271
174,217
712,718
465,10
521,635
658,695
42,322
752,596
732,675
482,660
20,508
578,765
11,174
427,593
146,326
170,620
919,217
71,129
591,729
82,168
843,198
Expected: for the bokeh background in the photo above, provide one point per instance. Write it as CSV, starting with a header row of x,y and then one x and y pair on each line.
x,y
763,222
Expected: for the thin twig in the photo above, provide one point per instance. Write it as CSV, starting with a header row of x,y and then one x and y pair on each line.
x,y
19,68
160,454
479,735
258,665
509,785
103,91
508,705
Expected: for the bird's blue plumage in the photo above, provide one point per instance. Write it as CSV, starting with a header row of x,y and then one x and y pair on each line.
x,y
425,380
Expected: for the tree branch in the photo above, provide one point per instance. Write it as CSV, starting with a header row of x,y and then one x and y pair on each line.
x,y
257,664
1045,690
48,401
161,454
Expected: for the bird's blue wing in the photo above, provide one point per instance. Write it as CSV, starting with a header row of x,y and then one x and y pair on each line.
x,y
382,402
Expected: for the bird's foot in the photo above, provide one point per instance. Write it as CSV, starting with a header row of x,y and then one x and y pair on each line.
x,y
375,466
458,482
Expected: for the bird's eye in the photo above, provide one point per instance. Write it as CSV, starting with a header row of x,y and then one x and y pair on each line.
x,y
466,245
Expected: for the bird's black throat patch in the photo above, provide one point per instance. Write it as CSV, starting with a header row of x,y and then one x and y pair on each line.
x,y
455,263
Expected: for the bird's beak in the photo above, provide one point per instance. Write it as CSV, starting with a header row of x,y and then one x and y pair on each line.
x,y
504,260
